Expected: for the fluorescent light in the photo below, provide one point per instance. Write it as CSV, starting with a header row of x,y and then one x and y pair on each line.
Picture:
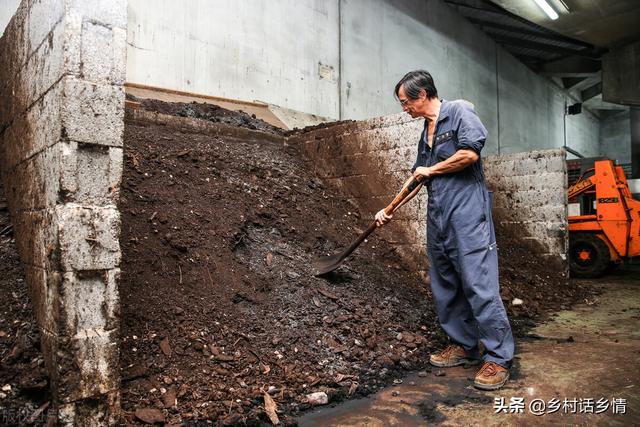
x,y
547,9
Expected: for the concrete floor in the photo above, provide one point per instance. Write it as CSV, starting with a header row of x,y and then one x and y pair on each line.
x,y
589,352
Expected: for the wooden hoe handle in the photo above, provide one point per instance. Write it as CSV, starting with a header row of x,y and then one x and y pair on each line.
x,y
413,184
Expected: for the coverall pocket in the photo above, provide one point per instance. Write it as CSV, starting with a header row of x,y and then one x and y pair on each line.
x,y
482,202
445,149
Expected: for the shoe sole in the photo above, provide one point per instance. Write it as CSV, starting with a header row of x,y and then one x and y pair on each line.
x,y
490,387
457,363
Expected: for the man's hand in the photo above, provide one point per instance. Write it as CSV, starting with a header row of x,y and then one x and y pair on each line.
x,y
426,172
382,218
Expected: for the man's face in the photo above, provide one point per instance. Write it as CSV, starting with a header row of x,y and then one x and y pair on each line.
x,y
413,107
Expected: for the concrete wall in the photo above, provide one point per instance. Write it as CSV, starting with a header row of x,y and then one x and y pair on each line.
x,y
531,114
7,9
615,137
61,124
283,52
521,110
342,58
371,159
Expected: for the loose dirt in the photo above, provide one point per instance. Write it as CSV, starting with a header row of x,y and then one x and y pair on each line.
x,y
218,302
24,385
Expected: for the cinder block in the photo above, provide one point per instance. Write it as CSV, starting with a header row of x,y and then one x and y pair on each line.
x,y
61,140
88,237
88,365
32,132
557,164
66,172
45,66
38,242
91,173
49,346
109,13
89,302
400,159
44,285
94,411
43,69
93,113
103,53
13,48
43,16
34,183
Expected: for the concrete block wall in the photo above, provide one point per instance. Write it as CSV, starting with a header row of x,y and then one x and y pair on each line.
x,y
61,125
530,200
371,159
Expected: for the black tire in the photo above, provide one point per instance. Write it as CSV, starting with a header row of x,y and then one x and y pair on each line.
x,y
589,256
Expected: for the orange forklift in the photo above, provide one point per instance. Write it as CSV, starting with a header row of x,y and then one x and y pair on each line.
x,y
607,231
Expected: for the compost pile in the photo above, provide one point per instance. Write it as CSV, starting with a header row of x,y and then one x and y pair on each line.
x,y
24,384
219,307
209,112
527,276
218,303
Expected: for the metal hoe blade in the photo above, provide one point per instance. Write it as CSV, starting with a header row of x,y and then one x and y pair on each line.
x,y
327,264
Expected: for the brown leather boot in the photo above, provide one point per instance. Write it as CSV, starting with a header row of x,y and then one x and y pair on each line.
x,y
452,355
491,376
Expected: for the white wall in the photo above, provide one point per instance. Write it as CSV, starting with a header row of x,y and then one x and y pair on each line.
x,y
380,44
7,9
250,50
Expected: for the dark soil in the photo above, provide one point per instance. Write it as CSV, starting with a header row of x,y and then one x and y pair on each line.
x,y
209,112
218,303
527,276
24,384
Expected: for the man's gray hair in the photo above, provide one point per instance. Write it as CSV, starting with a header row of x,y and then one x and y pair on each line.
x,y
414,81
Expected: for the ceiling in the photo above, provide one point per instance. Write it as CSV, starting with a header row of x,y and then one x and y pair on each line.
x,y
603,23
568,50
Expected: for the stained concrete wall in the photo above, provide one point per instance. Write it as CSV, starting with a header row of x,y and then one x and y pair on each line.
x,y
522,110
532,114
283,53
371,159
61,124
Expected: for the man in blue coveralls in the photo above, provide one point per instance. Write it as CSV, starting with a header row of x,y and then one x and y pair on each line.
x,y
460,237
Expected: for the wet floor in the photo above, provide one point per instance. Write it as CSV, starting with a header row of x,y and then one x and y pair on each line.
x,y
581,367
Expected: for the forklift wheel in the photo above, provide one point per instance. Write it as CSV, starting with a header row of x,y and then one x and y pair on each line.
x,y
588,255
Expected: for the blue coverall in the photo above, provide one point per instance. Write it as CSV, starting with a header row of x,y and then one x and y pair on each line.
x,y
461,240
